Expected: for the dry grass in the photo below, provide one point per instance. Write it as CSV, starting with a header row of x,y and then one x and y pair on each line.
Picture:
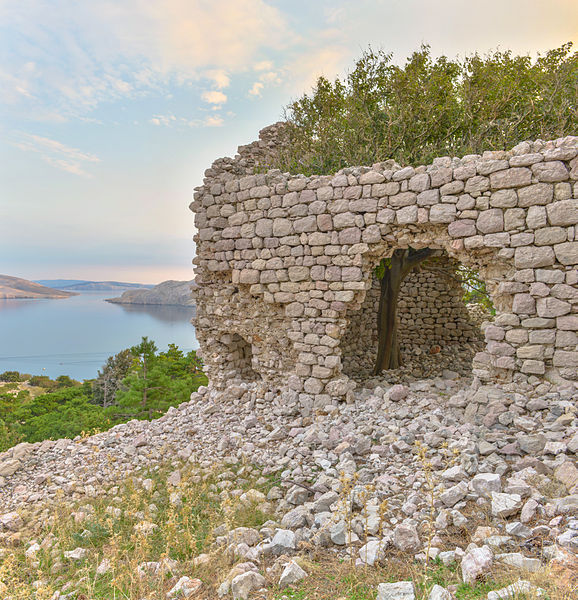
x,y
181,529
186,519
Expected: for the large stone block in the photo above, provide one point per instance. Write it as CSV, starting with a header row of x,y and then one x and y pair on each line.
x,y
567,253
527,257
537,194
563,213
442,213
510,178
491,221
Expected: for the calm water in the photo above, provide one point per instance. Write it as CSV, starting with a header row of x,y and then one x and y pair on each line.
x,y
74,336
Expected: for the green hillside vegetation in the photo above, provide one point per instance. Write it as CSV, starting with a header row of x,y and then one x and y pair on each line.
x,y
430,107
137,383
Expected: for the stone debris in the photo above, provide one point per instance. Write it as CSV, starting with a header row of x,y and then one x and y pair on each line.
x,y
519,588
476,563
185,588
439,593
292,573
402,590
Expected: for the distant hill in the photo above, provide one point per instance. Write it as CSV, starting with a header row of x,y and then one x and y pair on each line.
x,y
177,293
15,287
80,285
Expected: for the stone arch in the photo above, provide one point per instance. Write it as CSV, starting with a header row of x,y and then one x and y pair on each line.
x,y
495,270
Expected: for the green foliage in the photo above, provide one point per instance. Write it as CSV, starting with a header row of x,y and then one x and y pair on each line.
x,y
145,383
10,376
475,289
43,381
158,381
430,107
65,412
109,380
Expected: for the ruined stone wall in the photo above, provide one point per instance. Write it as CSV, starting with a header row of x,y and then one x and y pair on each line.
x,y
431,313
283,259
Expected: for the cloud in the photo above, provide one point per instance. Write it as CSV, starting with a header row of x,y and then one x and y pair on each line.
x,y
267,77
57,154
264,65
219,77
257,89
214,97
164,120
213,120
85,54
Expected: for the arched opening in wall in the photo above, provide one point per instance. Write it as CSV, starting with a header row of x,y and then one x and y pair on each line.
x,y
239,361
435,332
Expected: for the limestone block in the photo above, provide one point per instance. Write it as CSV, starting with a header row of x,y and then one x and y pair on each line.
x,y
371,234
511,178
514,218
548,236
325,193
549,275
428,197
550,171
298,273
563,213
305,224
385,189
462,228
249,276
453,187
527,257
465,202
552,307
441,213
536,217
531,351
477,183
537,194
517,336
524,304
407,215
264,227
563,358
363,205
542,336
567,323
504,199
419,183
403,199
491,221
385,216
533,367
351,235
371,177
567,253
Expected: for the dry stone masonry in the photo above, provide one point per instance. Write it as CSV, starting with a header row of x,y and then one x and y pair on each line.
x,y
285,264
431,314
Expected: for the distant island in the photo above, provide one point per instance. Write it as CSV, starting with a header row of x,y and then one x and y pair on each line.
x,y
176,293
17,288
83,285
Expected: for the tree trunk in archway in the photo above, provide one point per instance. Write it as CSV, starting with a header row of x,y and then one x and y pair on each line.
x,y
400,264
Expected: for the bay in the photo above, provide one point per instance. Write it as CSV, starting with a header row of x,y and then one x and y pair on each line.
x,y
74,336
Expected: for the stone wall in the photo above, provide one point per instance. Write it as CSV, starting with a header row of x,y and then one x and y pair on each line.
x,y
431,314
282,259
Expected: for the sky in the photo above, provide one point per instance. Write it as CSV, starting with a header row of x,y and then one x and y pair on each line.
x,y
111,110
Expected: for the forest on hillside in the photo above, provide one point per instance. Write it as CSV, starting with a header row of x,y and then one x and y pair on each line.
x,y
137,383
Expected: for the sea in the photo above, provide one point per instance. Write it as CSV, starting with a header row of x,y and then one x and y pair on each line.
x,y
74,336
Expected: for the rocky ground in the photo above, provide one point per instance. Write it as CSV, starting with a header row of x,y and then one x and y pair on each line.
x,y
467,474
